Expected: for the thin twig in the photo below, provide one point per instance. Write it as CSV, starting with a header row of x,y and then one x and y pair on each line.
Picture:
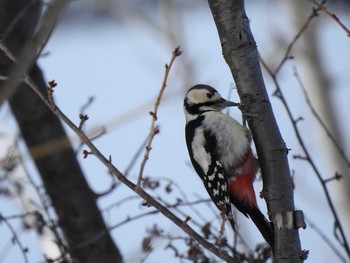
x,y
185,199
49,221
123,222
132,218
83,118
318,118
154,130
325,238
120,202
337,177
50,89
41,221
87,104
20,216
296,38
82,115
332,15
15,238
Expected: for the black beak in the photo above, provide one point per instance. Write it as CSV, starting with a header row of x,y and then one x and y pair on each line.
x,y
226,103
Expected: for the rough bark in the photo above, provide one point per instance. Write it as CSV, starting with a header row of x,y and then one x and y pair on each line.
x,y
73,200
240,53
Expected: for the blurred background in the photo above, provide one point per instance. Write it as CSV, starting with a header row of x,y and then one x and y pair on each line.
x,y
112,54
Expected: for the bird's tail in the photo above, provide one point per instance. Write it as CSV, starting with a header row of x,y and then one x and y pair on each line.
x,y
262,224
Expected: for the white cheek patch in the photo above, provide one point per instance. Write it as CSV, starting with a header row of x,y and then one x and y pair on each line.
x,y
195,96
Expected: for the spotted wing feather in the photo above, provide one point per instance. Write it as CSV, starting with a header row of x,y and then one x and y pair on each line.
x,y
206,163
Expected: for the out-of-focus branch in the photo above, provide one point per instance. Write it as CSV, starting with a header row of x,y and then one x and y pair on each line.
x,y
15,238
320,121
36,214
321,6
296,38
32,49
325,238
337,222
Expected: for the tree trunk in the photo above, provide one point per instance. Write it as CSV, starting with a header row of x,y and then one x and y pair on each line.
x,y
240,53
73,200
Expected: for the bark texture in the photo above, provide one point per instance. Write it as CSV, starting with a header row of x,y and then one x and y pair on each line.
x,y
240,53
73,200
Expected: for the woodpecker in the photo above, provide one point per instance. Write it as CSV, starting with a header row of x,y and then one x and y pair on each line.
x,y
220,152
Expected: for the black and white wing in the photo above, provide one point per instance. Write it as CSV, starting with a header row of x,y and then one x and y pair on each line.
x,y
202,150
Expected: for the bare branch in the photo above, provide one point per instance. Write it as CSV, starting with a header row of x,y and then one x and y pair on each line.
x,y
154,130
50,89
325,238
332,15
87,104
46,219
83,118
15,238
296,38
318,118
336,177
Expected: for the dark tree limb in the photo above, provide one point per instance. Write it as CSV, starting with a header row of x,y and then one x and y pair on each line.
x,y
73,200
240,53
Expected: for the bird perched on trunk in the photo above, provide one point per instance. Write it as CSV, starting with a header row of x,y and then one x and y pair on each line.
x,y
220,152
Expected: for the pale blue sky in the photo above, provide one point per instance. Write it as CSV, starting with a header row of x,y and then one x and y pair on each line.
x,y
122,66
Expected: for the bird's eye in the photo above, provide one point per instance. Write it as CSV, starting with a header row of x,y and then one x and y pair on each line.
x,y
209,95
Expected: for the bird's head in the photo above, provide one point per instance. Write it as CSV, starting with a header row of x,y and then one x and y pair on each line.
x,y
201,98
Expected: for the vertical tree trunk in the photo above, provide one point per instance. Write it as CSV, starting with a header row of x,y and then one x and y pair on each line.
x,y
74,202
240,53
